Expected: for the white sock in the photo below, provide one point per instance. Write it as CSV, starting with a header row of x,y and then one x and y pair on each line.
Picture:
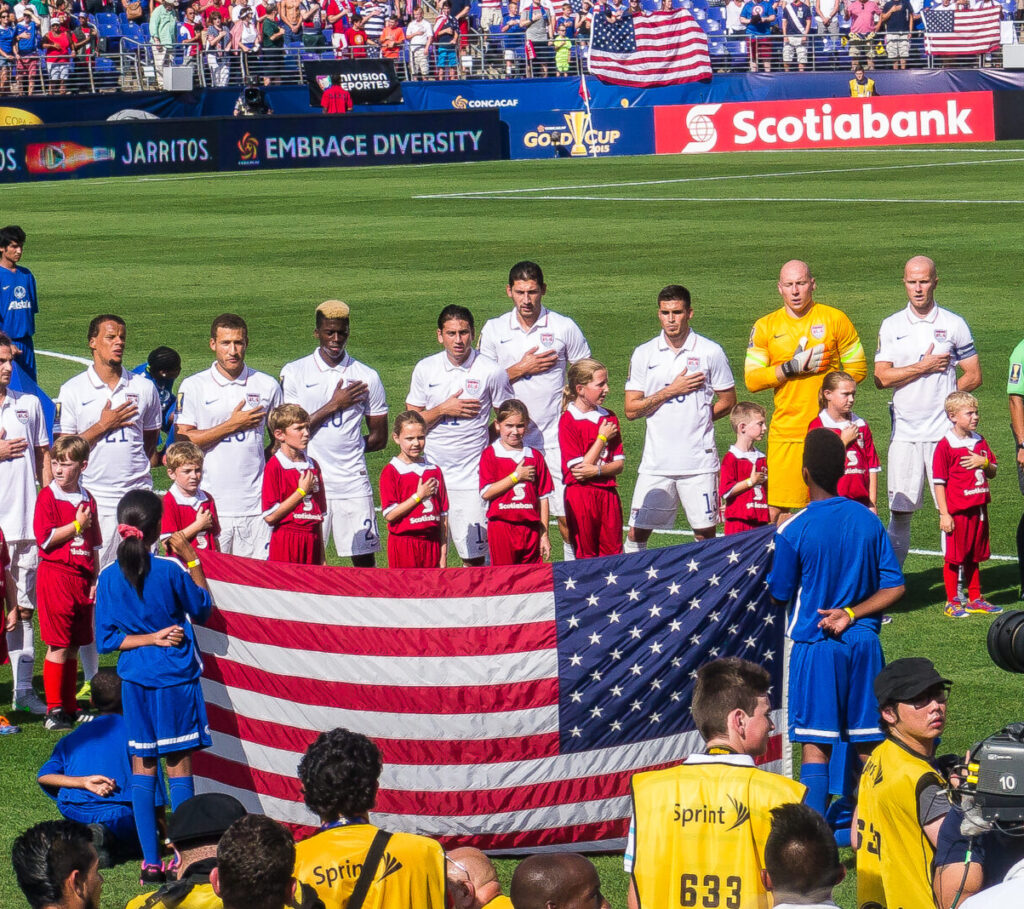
x,y
22,651
89,660
567,552
899,534
633,545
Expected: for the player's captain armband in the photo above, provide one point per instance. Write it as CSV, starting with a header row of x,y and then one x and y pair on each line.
x,y
1013,380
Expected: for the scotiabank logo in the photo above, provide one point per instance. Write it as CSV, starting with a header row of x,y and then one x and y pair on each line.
x,y
824,123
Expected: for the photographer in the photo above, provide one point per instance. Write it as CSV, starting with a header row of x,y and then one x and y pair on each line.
x,y
253,100
902,799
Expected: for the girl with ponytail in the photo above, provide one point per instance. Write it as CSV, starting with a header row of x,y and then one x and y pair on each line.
x,y
145,606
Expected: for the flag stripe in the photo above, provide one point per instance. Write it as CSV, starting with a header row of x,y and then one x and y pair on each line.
x,y
398,642
406,585
398,699
394,751
281,758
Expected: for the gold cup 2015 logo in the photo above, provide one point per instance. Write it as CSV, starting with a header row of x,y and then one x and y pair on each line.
x,y
577,134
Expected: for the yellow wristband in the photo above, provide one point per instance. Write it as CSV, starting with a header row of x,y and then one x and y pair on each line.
x,y
603,438
985,466
300,491
417,499
849,611
77,526
193,564
514,477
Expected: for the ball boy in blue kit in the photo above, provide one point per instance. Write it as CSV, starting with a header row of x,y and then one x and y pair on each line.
x,y
18,303
836,569
144,604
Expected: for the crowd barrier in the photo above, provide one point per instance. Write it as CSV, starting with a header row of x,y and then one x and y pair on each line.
x,y
146,147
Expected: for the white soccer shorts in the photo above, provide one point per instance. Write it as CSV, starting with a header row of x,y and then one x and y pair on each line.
x,y
353,522
656,501
467,522
910,466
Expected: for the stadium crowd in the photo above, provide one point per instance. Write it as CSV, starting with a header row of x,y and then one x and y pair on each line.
x,y
495,440
56,45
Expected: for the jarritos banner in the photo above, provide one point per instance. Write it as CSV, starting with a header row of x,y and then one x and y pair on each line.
x,y
824,123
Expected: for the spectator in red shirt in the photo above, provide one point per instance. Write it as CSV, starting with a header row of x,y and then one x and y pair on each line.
x,y
58,42
356,38
336,100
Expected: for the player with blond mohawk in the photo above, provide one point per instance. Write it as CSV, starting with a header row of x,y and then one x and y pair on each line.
x,y
340,394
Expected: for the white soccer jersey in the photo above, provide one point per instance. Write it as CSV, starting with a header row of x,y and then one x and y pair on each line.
x,y
505,341
903,339
118,462
233,469
337,446
680,437
21,417
455,443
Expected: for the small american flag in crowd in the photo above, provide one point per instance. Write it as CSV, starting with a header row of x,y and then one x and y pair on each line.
x,y
512,705
967,31
662,48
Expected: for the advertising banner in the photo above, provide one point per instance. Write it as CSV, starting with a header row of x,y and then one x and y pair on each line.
x,y
142,147
115,149
408,138
578,134
825,123
368,81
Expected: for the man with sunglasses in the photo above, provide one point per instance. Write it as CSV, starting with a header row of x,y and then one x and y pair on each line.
x,y
902,800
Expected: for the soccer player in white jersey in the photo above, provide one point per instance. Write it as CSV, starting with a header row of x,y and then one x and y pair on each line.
x,y
455,391
920,350
340,393
224,411
535,347
24,462
681,382
118,413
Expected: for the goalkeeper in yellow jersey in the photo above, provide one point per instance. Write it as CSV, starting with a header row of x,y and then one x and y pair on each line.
x,y
790,351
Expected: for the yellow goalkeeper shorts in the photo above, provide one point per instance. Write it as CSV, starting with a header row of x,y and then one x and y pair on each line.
x,y
786,486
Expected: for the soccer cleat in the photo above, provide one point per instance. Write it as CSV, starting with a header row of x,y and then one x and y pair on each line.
x,y
983,607
85,692
6,728
151,874
28,701
58,720
954,610
886,619
172,864
85,716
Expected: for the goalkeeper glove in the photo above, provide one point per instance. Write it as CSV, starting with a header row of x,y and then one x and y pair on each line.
x,y
804,360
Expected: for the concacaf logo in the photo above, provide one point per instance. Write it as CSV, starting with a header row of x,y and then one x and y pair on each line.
x,y
249,147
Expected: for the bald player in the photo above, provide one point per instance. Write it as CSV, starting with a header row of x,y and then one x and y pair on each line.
x,y
924,353
790,351
472,880
557,880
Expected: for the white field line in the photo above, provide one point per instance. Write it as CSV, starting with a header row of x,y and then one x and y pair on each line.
x,y
485,193
727,199
61,356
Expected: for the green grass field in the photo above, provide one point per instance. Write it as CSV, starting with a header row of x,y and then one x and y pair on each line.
x,y
170,254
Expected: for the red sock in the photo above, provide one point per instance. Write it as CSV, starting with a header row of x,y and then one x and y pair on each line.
x,y
972,581
950,574
52,674
68,687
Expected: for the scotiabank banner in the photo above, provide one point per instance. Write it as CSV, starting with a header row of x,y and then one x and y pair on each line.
x,y
824,123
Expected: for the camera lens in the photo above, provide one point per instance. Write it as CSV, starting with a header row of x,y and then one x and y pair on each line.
x,y
1006,643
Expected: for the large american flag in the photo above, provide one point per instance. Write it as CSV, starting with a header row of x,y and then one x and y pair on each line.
x,y
661,48
511,705
968,31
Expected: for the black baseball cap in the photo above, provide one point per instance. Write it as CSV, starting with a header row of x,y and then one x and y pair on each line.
x,y
204,818
905,679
